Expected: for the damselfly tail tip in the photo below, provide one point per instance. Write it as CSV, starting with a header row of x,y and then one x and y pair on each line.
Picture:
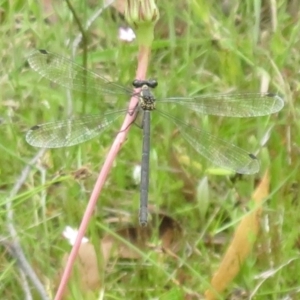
x,y
143,224
143,216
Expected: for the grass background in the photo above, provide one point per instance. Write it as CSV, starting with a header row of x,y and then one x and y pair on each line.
x,y
199,47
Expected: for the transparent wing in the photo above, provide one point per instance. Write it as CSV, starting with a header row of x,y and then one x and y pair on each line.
x,y
66,73
216,150
71,131
231,105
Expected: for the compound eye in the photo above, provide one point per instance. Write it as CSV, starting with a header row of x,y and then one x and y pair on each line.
x,y
137,83
152,83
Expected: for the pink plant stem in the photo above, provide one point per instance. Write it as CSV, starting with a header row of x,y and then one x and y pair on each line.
x,y
143,60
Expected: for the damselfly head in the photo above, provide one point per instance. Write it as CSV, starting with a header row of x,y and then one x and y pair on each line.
x,y
151,83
